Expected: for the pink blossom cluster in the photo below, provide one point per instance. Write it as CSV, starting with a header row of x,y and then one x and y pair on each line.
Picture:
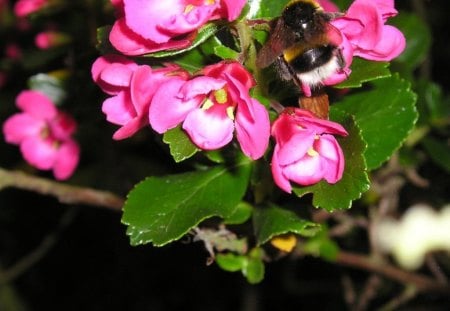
x,y
214,105
145,26
44,134
210,106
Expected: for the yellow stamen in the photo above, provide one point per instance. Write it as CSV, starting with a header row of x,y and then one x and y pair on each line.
x,y
188,8
312,153
230,112
207,104
210,2
221,96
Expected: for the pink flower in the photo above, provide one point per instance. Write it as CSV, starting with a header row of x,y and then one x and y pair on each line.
x,y
48,39
44,134
306,150
145,26
26,7
364,28
13,51
211,107
132,88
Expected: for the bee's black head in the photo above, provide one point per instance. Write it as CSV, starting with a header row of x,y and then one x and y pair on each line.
x,y
299,15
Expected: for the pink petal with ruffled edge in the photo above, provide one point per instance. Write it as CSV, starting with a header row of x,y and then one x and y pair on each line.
x,y
277,172
130,43
187,22
209,129
36,104
232,8
168,108
366,13
119,109
66,160
38,152
20,126
332,158
296,147
253,134
306,171
143,17
390,46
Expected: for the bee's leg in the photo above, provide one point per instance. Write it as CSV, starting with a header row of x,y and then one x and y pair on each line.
x,y
283,69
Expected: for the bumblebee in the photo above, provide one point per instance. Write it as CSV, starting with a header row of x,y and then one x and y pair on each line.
x,y
303,44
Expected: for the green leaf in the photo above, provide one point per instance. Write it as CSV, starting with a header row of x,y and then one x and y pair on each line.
x,y
253,270
241,214
160,210
251,265
192,60
181,147
418,39
272,221
354,181
48,85
439,152
203,34
364,71
321,246
386,115
231,262
265,8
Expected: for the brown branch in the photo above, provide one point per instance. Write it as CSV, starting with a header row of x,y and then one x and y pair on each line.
x,y
64,193
421,282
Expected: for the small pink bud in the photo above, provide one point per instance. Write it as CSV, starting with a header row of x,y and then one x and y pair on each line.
x,y
50,39
26,7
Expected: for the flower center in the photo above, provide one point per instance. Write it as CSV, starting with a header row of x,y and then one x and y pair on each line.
x,y
191,6
312,153
221,96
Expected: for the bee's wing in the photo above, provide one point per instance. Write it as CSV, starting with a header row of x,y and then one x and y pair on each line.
x,y
280,38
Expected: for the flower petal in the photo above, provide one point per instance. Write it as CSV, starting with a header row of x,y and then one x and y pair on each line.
x,y
66,160
38,152
277,172
36,104
167,108
253,135
20,126
209,129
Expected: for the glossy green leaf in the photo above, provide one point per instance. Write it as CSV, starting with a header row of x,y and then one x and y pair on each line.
x,y
253,268
251,265
386,115
354,181
418,39
271,221
265,8
231,262
181,147
160,210
439,152
203,34
241,214
192,60
364,71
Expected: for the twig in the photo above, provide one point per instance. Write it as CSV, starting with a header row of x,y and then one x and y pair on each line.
x,y
420,282
64,193
369,292
408,294
435,269
21,266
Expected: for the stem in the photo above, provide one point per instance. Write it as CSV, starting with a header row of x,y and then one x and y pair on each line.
x,y
64,193
420,282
